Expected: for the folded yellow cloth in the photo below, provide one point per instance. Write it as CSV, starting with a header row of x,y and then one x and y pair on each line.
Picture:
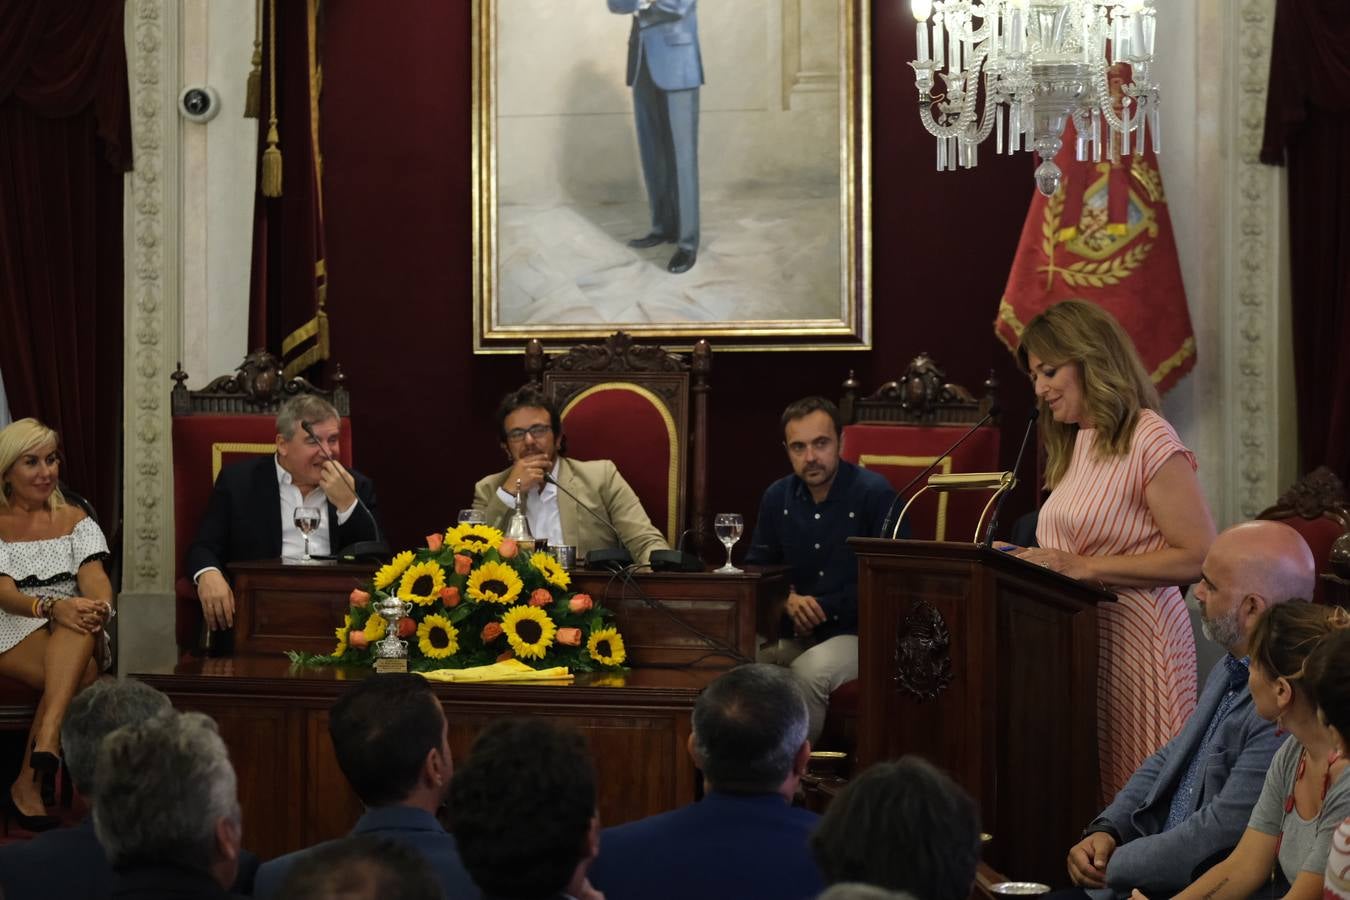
x,y
510,670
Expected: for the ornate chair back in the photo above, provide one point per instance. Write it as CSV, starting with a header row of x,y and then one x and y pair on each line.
x,y
1315,506
645,409
903,426
230,419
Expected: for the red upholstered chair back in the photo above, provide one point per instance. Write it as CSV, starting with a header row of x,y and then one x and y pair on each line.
x,y
899,452
643,408
232,418
1316,508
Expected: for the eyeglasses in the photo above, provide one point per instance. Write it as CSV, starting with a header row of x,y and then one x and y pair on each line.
x,y
538,432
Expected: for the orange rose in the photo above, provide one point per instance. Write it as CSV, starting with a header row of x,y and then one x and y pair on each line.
x,y
463,564
569,637
357,640
450,597
434,541
507,548
580,603
509,654
491,631
407,627
360,598
541,597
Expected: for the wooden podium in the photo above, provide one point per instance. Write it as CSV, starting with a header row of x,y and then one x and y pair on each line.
x,y
986,665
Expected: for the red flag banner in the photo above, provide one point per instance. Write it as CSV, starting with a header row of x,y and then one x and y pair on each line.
x,y
1105,236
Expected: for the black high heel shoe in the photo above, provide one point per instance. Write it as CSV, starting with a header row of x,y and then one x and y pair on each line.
x,y
45,766
10,810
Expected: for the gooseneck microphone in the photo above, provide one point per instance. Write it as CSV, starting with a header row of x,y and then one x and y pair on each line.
x,y
376,547
886,529
548,477
998,507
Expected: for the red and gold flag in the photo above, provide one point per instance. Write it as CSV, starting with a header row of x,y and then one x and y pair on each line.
x,y
1105,236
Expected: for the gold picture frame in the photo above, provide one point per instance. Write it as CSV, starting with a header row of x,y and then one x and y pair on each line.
x,y
784,170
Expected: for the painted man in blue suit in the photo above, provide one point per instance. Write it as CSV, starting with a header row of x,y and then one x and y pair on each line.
x,y
393,744
665,70
1187,805
744,838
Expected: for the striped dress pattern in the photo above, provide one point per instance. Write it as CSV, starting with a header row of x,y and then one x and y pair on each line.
x,y
1146,686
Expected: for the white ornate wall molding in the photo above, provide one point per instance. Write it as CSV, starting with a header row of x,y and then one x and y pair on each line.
x,y
1251,277
152,263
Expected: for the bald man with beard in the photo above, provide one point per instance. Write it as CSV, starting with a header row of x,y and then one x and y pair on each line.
x,y
1186,806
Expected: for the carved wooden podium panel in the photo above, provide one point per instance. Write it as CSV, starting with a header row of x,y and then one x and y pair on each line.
x,y
987,666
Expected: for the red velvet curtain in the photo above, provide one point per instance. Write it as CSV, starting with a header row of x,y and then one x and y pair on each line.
x,y
65,142
1307,130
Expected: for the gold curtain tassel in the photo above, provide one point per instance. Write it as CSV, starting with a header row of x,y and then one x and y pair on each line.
x,y
253,91
271,165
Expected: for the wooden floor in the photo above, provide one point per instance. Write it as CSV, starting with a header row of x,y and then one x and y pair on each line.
x,y
274,718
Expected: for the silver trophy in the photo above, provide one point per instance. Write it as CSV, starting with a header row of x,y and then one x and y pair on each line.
x,y
391,651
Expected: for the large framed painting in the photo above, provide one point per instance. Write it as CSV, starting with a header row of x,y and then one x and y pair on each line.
x,y
677,169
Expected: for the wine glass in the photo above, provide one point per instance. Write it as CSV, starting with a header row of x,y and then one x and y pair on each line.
x,y
471,517
728,527
307,520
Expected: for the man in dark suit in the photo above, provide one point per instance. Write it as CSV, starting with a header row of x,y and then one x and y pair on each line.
x,y
252,510
744,838
665,70
392,743
1187,805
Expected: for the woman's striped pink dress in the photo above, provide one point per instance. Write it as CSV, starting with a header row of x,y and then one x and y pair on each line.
x,y
1146,684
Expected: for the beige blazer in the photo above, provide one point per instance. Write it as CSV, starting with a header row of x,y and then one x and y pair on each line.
x,y
598,484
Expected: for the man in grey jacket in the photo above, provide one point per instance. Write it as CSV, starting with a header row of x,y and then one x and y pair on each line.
x,y
1186,806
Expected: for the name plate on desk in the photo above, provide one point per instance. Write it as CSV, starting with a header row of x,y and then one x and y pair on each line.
x,y
392,666
283,607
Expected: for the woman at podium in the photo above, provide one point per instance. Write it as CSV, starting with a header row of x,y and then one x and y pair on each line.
x,y
1125,512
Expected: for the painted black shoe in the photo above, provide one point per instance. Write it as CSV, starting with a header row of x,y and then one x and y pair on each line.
x,y
649,240
682,261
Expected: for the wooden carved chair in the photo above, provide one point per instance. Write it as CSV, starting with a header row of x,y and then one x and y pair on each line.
x,y
1316,507
903,426
232,418
642,407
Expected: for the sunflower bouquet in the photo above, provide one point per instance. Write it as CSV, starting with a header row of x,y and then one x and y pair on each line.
x,y
478,598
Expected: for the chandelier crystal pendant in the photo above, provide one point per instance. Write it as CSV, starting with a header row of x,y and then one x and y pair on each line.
x,y
1035,63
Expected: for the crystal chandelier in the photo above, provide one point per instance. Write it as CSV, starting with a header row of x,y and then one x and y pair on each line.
x,y
1035,63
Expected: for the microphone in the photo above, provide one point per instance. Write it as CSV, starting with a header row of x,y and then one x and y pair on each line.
x,y
998,507
600,557
376,547
886,529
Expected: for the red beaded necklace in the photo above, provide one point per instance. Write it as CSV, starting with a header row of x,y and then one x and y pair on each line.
x,y
1298,776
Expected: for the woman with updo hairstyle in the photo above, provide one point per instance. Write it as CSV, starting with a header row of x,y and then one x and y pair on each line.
x,y
1306,795
1328,677
1125,513
55,598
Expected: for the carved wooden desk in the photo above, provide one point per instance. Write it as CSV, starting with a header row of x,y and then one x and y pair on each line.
x,y
274,719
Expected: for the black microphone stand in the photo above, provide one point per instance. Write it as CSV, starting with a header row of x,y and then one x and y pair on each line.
x,y
886,522
998,507
376,547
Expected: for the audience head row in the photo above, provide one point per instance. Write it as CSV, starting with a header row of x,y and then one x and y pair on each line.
x,y
1300,659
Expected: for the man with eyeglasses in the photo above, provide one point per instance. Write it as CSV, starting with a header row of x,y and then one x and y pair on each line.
x,y
531,434
805,521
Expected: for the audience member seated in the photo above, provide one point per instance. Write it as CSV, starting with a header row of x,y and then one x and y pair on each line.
x,y
392,744
167,809
55,598
1328,677
251,514
1186,806
744,838
553,486
805,521
522,809
69,862
1304,797
903,826
361,867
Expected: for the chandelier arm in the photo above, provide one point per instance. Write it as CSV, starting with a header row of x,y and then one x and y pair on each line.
x,y
1104,100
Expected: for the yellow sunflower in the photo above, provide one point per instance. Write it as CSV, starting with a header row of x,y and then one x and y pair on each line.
x,y
529,630
471,538
389,574
427,575
341,634
606,647
437,638
376,627
553,573
494,582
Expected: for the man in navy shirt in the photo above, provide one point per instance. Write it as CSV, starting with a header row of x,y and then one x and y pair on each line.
x,y
805,521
